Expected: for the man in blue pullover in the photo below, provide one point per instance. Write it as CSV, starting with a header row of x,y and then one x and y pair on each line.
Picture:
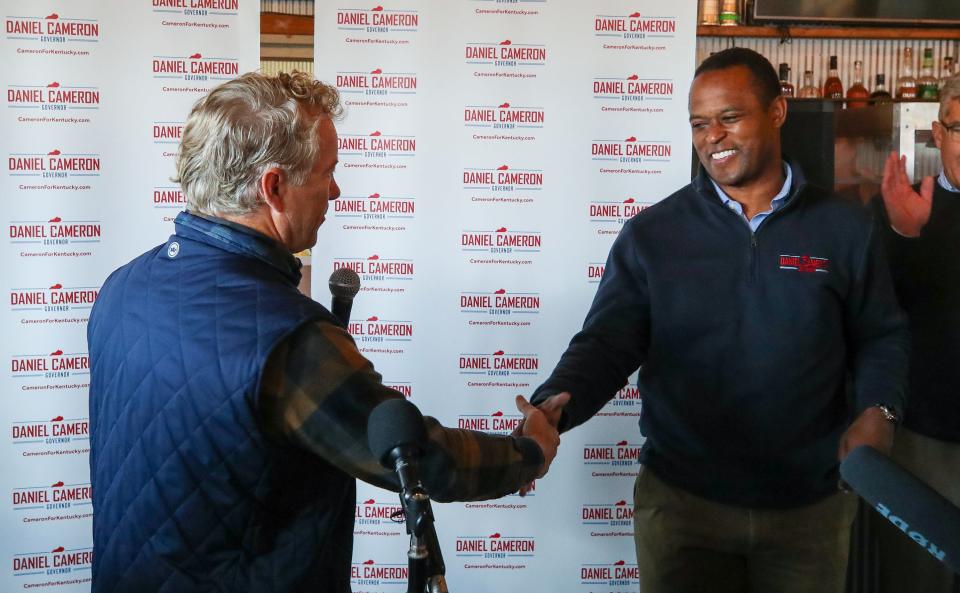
x,y
750,299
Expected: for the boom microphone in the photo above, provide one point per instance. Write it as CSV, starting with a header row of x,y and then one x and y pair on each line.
x,y
395,428
344,285
918,510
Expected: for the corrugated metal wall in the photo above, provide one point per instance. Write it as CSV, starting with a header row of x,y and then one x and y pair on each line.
x,y
878,56
272,67
287,6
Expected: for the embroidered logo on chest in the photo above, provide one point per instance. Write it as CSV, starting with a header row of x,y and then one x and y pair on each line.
x,y
804,263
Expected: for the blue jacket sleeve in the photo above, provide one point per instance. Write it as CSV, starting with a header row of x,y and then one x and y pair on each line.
x,y
613,341
876,332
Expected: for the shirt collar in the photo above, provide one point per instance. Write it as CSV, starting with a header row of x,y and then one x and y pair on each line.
x,y
778,200
240,239
945,183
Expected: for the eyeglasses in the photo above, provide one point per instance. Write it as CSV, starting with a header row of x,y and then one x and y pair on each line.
x,y
953,130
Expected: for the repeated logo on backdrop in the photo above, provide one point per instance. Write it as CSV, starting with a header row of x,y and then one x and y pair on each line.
x,y
633,94
53,34
379,274
55,237
378,26
55,304
53,502
59,435
376,211
499,308
607,216
377,88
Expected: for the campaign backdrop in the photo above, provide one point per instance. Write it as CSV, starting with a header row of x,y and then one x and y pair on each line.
x,y
490,153
95,94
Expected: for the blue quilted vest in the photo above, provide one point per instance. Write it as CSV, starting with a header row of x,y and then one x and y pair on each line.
x,y
189,493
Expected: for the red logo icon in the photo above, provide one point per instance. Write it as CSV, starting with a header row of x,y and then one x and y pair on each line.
x,y
370,501
498,353
367,562
621,503
376,133
55,219
497,414
373,257
373,196
631,139
635,15
501,291
502,229
494,536
622,444
57,484
53,85
57,419
629,201
502,168
56,286
619,563
52,16
504,105
377,71
195,57
373,318
56,352
57,550
377,8
633,77
53,152
506,42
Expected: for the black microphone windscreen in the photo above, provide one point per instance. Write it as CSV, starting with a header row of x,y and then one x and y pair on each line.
x,y
395,423
344,283
920,512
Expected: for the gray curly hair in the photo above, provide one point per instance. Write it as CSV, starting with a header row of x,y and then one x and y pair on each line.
x,y
242,128
949,92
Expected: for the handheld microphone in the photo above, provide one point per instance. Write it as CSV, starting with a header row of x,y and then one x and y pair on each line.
x,y
918,510
344,285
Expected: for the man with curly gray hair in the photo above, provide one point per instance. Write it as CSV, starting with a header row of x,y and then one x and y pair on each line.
x,y
228,411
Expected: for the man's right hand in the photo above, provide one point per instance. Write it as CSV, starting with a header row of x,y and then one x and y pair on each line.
x,y
535,425
908,211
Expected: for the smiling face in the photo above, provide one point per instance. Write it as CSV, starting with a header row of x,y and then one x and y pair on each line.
x,y
735,135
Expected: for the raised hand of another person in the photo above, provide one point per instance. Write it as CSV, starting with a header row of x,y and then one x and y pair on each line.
x,y
908,210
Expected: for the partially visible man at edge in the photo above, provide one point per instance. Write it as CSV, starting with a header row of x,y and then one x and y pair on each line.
x,y
228,411
921,229
746,298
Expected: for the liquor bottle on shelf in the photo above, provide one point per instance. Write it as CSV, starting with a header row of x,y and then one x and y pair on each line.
x,y
710,12
857,94
728,14
906,83
946,71
808,90
928,87
786,88
832,87
880,95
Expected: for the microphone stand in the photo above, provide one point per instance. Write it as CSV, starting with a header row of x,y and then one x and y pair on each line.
x,y
426,569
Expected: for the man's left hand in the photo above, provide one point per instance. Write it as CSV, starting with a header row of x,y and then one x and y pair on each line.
x,y
870,428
